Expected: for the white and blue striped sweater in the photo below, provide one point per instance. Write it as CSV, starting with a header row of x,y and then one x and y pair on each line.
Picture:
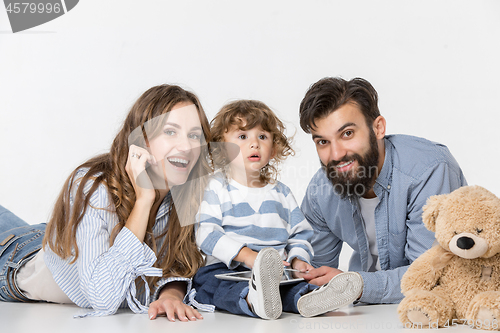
x,y
232,216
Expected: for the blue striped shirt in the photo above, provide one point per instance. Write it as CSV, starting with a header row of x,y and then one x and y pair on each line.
x,y
232,216
414,169
103,276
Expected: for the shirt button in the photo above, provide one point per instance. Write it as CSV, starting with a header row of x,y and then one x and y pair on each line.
x,y
388,187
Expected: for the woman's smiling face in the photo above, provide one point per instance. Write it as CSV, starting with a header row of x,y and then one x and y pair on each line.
x,y
177,147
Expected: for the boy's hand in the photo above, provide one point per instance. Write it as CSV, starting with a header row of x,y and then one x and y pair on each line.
x,y
246,256
301,265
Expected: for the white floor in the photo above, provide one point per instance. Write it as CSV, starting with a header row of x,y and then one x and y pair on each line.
x,y
54,318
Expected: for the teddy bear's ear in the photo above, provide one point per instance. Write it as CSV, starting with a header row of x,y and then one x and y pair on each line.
x,y
431,211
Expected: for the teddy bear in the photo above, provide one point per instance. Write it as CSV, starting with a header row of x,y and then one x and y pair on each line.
x,y
457,281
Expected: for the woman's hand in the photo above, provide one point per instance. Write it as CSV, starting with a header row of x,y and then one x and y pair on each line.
x,y
170,304
137,221
136,169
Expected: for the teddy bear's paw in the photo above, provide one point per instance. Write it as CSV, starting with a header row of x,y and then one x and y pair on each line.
x,y
486,319
484,311
486,314
418,317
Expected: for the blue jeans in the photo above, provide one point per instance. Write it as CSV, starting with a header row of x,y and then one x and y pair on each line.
x,y
19,242
230,295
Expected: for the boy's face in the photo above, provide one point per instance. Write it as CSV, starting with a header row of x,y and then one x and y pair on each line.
x,y
256,150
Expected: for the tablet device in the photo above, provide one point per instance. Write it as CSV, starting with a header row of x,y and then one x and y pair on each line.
x,y
289,276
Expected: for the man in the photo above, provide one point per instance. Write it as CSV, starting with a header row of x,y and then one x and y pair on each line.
x,y
371,188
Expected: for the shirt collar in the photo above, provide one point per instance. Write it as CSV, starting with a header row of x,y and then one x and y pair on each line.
x,y
164,208
385,177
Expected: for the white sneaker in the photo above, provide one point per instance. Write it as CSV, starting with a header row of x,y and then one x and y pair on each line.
x,y
343,289
264,292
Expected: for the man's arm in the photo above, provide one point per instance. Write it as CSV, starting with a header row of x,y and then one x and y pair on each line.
x,y
384,286
326,245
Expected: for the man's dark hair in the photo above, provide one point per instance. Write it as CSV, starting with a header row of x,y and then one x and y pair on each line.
x,y
330,93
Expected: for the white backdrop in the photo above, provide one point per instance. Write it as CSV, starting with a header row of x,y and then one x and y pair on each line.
x,y
66,86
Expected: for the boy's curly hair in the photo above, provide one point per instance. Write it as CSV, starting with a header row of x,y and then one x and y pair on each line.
x,y
246,114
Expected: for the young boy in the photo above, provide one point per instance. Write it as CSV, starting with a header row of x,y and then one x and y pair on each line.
x,y
249,220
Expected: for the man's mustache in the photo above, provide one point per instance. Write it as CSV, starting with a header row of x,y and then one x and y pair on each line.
x,y
333,163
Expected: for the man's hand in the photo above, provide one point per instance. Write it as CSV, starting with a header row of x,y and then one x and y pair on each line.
x,y
170,304
321,275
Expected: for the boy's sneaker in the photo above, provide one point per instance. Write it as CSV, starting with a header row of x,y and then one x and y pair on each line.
x,y
264,292
343,289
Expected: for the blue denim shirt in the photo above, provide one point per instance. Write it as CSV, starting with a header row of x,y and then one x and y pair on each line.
x,y
414,169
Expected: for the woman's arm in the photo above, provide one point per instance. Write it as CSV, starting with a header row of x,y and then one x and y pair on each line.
x,y
105,275
145,194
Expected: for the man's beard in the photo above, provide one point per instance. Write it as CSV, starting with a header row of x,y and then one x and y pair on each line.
x,y
357,181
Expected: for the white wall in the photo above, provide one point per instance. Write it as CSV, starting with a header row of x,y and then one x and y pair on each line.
x,y
66,86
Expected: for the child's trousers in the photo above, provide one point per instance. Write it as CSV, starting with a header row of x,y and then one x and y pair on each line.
x,y
230,295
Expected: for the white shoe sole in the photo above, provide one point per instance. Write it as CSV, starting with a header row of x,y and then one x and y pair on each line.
x,y
343,289
268,276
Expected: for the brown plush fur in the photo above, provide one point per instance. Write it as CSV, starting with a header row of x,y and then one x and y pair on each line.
x,y
442,287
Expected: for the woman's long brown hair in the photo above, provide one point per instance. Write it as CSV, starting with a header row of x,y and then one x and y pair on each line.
x,y
178,255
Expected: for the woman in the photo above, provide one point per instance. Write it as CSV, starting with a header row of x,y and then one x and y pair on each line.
x,y
108,230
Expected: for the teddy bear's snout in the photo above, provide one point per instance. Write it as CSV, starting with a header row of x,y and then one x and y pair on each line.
x,y
468,246
465,243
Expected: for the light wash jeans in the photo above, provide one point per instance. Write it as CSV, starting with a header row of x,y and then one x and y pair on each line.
x,y
19,242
